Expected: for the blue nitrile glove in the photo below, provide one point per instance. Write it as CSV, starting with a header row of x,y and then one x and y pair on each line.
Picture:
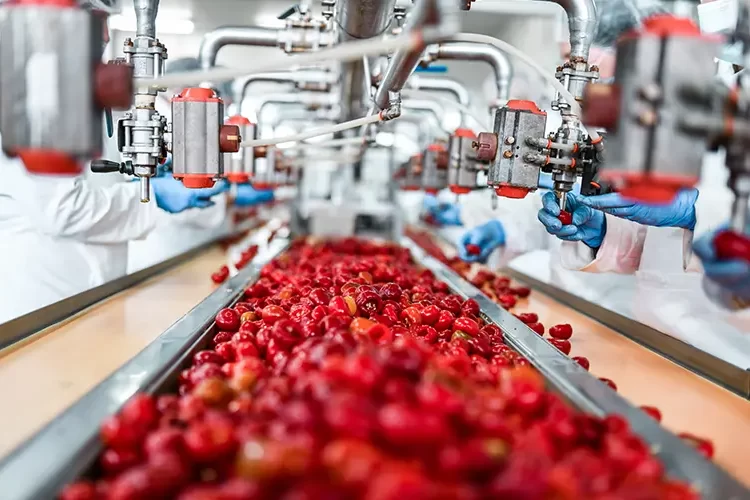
x,y
487,237
171,196
680,212
164,169
445,214
248,196
733,275
448,214
589,225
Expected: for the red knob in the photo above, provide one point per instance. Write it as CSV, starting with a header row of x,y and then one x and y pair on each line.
x,y
229,138
113,86
565,217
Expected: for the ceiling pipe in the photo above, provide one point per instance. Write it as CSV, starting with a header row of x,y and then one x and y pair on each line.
x,y
440,84
145,17
214,40
502,68
357,20
426,13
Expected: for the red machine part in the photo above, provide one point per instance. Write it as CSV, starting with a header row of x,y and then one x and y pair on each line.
x,y
516,193
602,108
113,88
522,105
200,94
238,121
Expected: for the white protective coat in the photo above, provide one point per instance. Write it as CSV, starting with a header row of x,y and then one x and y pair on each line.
x,y
669,295
60,236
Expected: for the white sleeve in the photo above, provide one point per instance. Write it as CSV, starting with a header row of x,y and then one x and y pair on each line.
x,y
523,231
621,250
69,207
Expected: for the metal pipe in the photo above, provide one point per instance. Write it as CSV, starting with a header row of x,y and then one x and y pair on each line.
x,y
403,62
582,21
426,106
214,40
496,58
241,85
357,20
441,84
145,17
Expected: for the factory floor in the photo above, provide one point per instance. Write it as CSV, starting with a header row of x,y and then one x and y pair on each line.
x,y
50,371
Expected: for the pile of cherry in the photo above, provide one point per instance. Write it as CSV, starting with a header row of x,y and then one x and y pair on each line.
x,y
499,288
348,372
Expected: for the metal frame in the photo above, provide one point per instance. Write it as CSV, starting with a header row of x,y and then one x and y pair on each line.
x,y
66,447
23,327
587,393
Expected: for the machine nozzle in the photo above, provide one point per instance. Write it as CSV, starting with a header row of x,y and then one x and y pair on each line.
x,y
145,189
145,17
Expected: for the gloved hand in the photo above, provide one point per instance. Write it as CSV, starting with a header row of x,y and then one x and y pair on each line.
x,y
589,225
487,237
680,212
731,274
171,196
445,214
248,196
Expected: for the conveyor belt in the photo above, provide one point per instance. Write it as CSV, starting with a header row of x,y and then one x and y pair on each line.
x,y
67,446
689,401
587,393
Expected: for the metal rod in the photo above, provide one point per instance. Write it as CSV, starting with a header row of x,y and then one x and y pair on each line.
x,y
145,184
582,21
588,394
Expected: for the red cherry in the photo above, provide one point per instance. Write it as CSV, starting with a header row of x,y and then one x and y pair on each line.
x,y
610,383
521,291
445,321
167,440
228,319
206,442
562,345
118,434
584,362
222,337
537,327
246,350
563,332
226,351
652,412
466,325
115,461
207,357
730,245
221,275
271,314
703,446
565,217
140,411
528,318
82,490
135,483
411,316
508,301
473,249
430,315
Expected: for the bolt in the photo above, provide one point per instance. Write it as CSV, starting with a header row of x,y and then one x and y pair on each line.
x,y
594,69
651,92
507,154
510,140
647,118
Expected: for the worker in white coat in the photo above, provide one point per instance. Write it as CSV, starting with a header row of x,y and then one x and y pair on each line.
x,y
612,234
60,236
